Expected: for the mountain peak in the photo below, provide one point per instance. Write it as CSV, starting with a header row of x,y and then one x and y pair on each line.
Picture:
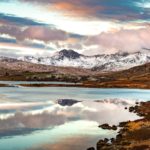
x,y
71,54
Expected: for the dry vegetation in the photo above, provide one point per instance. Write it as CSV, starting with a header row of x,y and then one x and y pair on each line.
x,y
137,77
133,135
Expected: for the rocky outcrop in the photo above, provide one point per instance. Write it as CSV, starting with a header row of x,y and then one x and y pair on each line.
x,y
106,126
133,135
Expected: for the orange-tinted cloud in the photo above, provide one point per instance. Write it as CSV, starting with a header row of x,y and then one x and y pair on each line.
x,y
74,9
122,10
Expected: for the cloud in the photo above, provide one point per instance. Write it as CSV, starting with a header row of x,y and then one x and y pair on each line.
x,y
24,28
44,34
73,10
122,40
87,17
35,37
102,9
37,32
8,53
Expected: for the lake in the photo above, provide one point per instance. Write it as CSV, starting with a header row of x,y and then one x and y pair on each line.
x,y
32,119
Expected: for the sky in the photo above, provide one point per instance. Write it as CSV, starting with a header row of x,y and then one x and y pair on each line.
x,y
42,27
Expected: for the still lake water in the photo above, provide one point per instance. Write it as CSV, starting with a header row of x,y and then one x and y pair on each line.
x,y
31,118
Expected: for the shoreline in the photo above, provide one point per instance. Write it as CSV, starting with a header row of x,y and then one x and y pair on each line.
x,y
132,135
81,85
136,77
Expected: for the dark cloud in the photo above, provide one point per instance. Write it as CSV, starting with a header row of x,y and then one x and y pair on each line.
x,y
76,36
7,40
20,21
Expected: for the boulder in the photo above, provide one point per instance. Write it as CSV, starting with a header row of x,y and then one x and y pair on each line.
x,y
108,127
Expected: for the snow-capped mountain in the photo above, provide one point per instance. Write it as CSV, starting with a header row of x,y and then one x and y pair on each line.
x,y
103,62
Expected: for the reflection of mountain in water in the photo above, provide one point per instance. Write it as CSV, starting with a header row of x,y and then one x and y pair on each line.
x,y
67,102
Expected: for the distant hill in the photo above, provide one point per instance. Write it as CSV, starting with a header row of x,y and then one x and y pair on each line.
x,y
133,73
138,77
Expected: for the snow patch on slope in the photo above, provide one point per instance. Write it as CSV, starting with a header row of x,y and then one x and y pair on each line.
x,y
112,62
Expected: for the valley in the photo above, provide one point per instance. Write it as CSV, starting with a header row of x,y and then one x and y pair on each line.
x,y
16,70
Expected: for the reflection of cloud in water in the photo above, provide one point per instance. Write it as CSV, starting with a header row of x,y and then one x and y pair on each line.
x,y
8,109
76,136
56,135
4,99
111,112
19,106
20,120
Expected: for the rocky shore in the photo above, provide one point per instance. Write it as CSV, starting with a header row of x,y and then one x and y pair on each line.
x,y
133,135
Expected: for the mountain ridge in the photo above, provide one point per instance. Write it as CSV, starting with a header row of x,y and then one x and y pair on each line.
x,y
103,62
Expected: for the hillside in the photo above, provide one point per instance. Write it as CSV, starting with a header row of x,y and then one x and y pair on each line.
x,y
12,69
134,73
136,77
